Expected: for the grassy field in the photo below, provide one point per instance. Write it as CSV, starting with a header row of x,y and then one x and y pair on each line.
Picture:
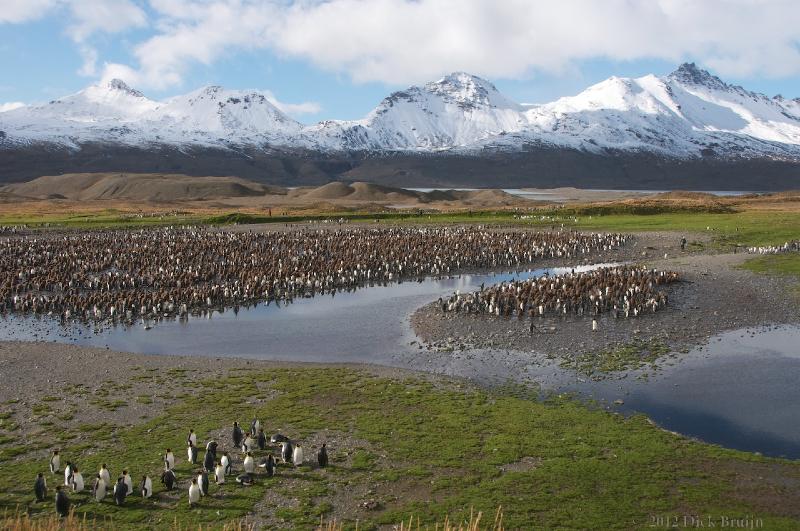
x,y
775,264
747,227
416,448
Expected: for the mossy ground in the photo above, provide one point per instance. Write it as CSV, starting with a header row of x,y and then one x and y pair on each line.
x,y
418,448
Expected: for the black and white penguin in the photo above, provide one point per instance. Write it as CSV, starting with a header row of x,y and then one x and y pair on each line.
x,y
227,464
128,481
254,427
297,456
146,486
194,492
248,444
237,435
322,456
105,474
219,474
169,459
120,491
99,488
62,501
208,462
191,453
211,446
249,464
269,465
40,487
68,474
192,438
168,479
55,462
287,451
261,440
278,438
245,480
202,480
77,480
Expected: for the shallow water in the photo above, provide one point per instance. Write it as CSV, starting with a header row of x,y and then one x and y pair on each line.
x,y
740,390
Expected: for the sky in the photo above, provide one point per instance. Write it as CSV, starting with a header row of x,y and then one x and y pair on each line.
x,y
336,59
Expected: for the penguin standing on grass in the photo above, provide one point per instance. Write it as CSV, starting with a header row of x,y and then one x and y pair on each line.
x,y
219,474
191,452
120,491
227,465
249,464
208,461
194,492
169,460
55,462
237,435
40,487
287,451
168,479
261,440
297,456
68,474
105,474
99,488
128,481
322,456
192,438
146,486
62,501
269,465
77,480
202,480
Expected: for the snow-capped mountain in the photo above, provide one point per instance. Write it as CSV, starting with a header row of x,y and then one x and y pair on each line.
x,y
687,114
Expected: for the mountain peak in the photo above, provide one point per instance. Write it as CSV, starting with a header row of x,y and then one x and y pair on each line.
x,y
469,91
691,74
118,84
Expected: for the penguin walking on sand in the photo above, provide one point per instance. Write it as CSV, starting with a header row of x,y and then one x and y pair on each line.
x,y
68,474
99,488
168,479
120,491
62,501
55,462
227,466
169,460
249,464
219,474
297,456
77,480
322,456
146,486
237,435
594,325
194,492
287,451
105,474
202,480
191,452
40,487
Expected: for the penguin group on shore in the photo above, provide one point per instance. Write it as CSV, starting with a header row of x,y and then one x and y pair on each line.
x,y
200,480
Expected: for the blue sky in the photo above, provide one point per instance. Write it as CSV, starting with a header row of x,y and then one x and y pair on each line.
x,y
338,58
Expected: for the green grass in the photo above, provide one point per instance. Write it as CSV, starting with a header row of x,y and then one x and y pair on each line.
x,y
424,449
775,264
632,355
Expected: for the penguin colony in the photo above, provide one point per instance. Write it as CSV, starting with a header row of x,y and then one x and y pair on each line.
x,y
122,276
788,247
218,464
621,291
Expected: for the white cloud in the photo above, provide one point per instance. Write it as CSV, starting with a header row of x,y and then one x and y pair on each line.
x,y
11,106
103,16
16,11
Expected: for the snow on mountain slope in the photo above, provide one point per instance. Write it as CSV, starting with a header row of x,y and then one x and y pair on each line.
x,y
688,113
